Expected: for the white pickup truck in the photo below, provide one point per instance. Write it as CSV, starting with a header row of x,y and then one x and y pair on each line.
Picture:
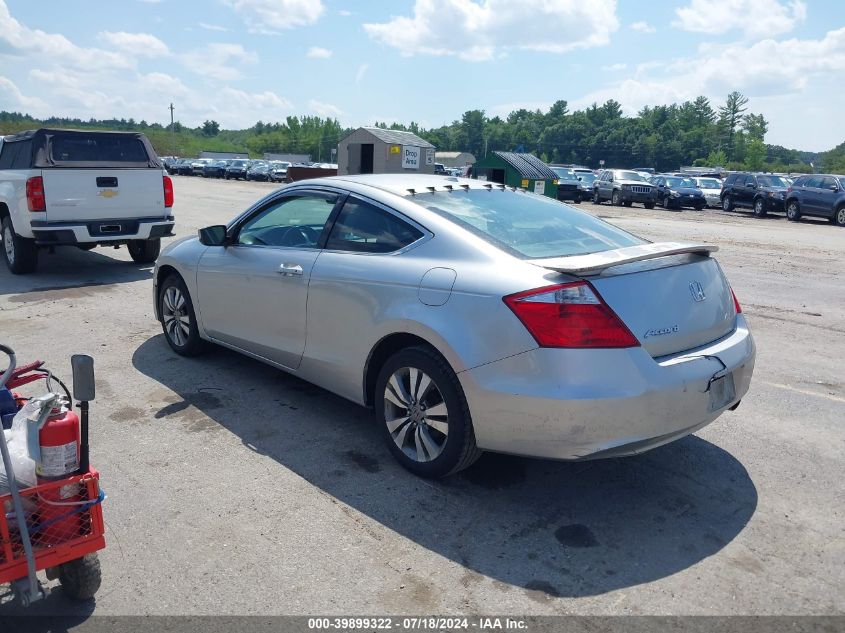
x,y
84,189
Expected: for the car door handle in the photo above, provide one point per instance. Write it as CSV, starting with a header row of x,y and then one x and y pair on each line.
x,y
290,270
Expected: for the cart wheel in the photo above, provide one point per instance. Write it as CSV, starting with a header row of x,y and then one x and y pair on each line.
x,y
81,578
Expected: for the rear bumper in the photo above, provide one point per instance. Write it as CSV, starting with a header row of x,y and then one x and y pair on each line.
x,y
101,231
590,404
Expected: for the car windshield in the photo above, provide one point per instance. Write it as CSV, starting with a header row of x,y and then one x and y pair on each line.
x,y
564,173
586,177
680,182
527,225
709,183
772,181
238,163
628,175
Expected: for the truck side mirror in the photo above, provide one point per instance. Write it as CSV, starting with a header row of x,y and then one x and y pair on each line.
x,y
83,377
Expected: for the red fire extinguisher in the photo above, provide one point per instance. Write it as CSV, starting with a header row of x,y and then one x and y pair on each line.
x,y
59,443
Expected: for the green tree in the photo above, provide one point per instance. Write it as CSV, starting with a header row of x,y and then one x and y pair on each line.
x,y
755,154
730,116
210,128
717,158
755,126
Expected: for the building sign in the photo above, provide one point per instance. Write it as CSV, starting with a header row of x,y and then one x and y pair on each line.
x,y
395,149
540,187
524,183
410,157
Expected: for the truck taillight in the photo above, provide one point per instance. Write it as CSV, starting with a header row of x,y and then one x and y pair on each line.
x,y
570,315
35,200
168,192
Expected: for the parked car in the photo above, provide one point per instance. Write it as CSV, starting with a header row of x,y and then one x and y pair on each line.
x,y
81,188
198,165
440,169
623,187
567,184
760,192
586,179
821,195
674,192
711,188
182,167
455,312
279,170
237,169
214,169
259,171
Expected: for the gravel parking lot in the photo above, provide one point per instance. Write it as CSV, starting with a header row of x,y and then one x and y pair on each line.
x,y
237,489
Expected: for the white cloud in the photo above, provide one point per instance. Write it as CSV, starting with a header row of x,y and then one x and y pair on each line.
x,y
212,27
214,60
771,73
269,15
643,27
35,43
483,30
615,67
344,13
135,44
359,74
319,53
756,18
324,109
11,98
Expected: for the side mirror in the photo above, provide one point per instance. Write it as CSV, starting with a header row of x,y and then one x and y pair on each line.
x,y
751,185
579,178
83,377
213,235
834,188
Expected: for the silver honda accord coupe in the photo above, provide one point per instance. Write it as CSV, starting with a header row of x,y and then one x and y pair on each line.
x,y
469,315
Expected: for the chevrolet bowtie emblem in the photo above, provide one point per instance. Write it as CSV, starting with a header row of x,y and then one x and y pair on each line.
x,y
108,193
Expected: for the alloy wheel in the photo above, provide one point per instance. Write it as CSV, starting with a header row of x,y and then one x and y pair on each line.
x,y
416,414
840,216
177,322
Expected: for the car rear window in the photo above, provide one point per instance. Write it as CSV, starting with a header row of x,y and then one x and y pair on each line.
x,y
97,148
526,225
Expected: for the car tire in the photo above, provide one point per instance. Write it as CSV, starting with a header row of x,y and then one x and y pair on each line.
x,y
144,251
839,216
649,205
19,253
666,203
628,203
81,578
616,199
178,318
793,211
700,206
428,445
760,208
596,197
727,203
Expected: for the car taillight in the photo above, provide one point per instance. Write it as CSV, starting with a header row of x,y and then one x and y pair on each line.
x,y
168,192
35,200
736,302
570,315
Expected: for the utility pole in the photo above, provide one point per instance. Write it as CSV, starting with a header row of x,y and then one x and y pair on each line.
x,y
172,130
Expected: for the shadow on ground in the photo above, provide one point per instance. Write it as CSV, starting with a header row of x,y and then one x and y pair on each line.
x,y
552,528
69,269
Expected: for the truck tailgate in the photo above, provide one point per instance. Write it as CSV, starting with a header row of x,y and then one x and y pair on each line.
x,y
103,194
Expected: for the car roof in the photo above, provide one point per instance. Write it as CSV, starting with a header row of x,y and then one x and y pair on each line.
x,y
402,184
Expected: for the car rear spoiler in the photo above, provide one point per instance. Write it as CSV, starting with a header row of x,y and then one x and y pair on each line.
x,y
594,263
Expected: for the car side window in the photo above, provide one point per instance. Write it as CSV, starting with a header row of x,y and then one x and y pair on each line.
x,y
814,181
293,221
828,183
364,228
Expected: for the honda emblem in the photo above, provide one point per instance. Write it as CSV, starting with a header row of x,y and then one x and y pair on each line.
x,y
697,291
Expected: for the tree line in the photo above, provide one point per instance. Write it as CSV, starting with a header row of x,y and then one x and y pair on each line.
x,y
663,137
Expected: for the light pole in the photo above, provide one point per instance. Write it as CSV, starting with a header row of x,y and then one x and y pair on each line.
x,y
172,130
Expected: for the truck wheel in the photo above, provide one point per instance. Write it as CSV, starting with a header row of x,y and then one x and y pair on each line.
x,y
616,199
596,199
144,251
628,203
20,253
81,578
649,205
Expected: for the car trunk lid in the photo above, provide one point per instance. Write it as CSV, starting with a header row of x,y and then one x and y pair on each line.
x,y
672,296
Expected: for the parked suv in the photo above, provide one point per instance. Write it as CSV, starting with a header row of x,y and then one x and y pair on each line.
x,y
821,195
623,186
81,188
674,192
760,192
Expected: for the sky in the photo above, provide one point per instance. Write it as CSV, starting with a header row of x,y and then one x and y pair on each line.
x,y
362,61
